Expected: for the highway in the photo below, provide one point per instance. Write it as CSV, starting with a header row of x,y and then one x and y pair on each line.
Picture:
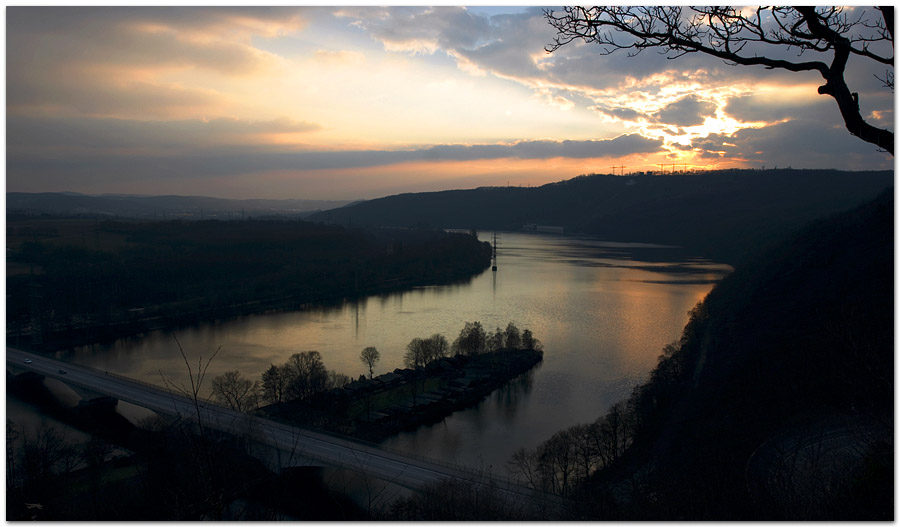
x,y
409,471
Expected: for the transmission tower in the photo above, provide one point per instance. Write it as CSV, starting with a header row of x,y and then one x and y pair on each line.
x,y
494,253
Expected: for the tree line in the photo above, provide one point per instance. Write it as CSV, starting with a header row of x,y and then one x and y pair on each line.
x,y
304,374
299,378
565,462
128,271
802,331
472,340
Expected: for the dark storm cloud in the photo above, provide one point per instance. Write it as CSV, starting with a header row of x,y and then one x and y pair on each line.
x,y
448,27
625,114
508,44
74,134
773,108
620,146
752,108
688,111
74,164
812,142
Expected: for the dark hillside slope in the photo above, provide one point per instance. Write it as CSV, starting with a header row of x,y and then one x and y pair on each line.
x,y
778,403
720,214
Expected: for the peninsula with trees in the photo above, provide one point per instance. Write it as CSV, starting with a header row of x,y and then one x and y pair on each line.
x,y
439,378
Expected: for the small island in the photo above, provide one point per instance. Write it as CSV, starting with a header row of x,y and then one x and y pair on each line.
x,y
439,379
374,409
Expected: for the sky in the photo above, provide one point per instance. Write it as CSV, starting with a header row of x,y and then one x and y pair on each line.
x,y
361,102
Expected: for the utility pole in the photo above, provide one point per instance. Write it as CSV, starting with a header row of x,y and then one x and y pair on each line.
x,y
494,255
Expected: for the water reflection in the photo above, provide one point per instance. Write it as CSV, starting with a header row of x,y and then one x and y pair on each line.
x,y
603,311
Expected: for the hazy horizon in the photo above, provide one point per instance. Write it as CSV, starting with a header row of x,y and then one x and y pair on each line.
x,y
373,197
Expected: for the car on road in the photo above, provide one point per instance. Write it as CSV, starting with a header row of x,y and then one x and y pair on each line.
x,y
62,371
28,361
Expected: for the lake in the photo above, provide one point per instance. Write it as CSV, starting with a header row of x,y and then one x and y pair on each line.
x,y
602,310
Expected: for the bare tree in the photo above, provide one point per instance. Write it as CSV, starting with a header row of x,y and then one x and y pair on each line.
x,y
612,434
495,340
274,384
416,353
306,375
436,347
337,380
233,390
205,450
529,342
512,338
471,340
369,356
750,37
46,452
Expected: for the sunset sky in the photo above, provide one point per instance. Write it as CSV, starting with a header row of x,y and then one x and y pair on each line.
x,y
361,102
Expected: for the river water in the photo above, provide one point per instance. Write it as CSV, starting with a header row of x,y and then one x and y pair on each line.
x,y
602,310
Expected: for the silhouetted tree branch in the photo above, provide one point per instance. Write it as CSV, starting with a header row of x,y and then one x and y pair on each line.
x,y
749,37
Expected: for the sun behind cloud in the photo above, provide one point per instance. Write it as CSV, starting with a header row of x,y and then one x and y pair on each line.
x,y
213,99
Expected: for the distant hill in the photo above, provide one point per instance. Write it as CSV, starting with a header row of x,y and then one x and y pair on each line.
x,y
720,214
161,207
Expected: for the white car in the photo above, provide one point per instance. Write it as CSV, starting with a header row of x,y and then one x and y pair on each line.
x,y
28,361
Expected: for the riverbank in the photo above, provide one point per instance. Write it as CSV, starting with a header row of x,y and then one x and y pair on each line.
x,y
72,282
405,399
97,332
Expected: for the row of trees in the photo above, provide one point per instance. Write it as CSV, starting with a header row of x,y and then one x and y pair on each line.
x,y
473,339
570,456
420,352
303,375
563,463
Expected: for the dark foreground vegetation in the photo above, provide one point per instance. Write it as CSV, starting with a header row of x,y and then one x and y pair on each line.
x,y
73,281
717,214
158,470
776,404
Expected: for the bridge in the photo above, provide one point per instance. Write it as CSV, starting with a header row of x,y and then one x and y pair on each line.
x,y
412,472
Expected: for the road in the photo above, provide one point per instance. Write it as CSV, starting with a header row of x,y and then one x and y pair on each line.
x,y
408,471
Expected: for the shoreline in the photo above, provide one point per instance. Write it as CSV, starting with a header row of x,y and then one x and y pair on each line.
x,y
72,337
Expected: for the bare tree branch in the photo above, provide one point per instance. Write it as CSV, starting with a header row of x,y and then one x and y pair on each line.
x,y
746,37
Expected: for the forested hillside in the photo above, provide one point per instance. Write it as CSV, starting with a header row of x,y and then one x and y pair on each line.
x,y
80,279
720,214
777,402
